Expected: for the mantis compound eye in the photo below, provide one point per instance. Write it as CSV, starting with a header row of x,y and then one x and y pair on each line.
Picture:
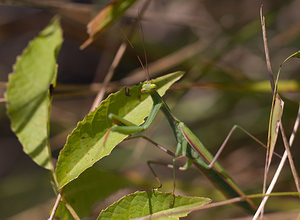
x,y
148,87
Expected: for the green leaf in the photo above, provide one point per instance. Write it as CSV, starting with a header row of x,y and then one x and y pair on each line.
x,y
151,204
274,123
84,146
296,54
91,186
105,18
28,96
276,113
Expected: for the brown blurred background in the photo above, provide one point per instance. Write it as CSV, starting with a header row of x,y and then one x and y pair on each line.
x,y
218,43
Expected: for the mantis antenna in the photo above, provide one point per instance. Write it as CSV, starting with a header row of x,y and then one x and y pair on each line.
x,y
145,67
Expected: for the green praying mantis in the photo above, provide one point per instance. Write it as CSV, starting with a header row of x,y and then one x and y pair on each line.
x,y
188,145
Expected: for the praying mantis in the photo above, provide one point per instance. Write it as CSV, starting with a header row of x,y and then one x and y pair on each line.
x,y
188,145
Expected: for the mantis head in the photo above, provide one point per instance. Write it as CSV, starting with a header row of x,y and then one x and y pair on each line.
x,y
148,87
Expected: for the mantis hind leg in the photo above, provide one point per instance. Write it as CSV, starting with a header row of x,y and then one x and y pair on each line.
x,y
234,128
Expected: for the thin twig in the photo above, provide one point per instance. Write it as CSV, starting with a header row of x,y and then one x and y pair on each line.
x,y
214,205
117,60
109,76
58,198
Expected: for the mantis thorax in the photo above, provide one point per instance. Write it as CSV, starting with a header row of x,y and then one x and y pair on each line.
x,y
148,87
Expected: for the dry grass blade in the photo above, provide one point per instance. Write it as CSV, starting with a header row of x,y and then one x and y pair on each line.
x,y
275,123
268,61
274,126
277,104
290,157
280,166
